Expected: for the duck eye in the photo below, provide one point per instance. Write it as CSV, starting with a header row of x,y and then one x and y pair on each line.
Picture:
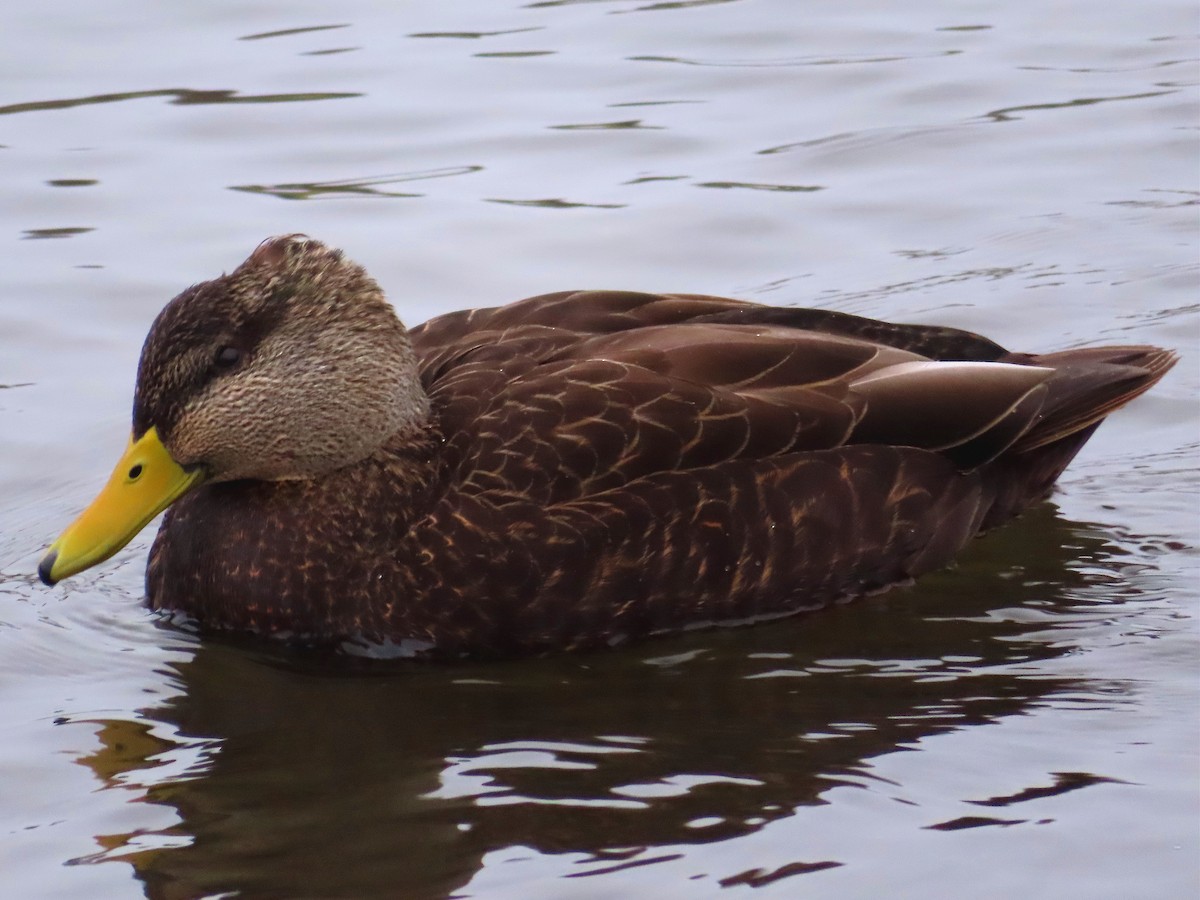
x,y
227,356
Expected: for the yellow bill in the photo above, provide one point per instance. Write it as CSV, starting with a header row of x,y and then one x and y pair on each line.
x,y
145,482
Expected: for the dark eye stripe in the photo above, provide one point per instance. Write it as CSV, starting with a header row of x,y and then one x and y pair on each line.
x,y
194,340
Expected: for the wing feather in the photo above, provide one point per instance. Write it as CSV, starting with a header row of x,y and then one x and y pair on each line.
x,y
563,395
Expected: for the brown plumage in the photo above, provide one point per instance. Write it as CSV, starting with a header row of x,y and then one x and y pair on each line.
x,y
582,467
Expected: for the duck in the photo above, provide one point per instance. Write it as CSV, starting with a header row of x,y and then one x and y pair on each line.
x,y
568,471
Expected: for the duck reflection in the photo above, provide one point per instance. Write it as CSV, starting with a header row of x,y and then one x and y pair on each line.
x,y
396,782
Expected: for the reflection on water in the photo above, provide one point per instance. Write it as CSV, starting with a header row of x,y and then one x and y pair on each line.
x,y
353,187
32,234
802,188
288,32
1028,719
384,782
179,96
791,62
1011,113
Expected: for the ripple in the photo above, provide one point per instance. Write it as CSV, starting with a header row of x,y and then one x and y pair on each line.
x,y
33,234
352,187
755,186
791,62
758,877
178,96
473,35
514,54
1008,113
626,124
1064,783
556,203
973,822
332,51
288,32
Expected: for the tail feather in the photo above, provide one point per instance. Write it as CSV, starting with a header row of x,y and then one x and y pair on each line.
x,y
1088,384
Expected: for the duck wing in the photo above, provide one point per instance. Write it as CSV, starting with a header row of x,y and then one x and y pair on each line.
x,y
441,339
557,397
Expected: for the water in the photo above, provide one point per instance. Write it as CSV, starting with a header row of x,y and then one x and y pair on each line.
x,y
1024,724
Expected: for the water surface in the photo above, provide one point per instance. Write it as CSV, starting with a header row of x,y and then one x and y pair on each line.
x,y
1024,724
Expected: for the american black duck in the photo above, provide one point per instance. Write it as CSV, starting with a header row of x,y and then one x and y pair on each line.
x,y
566,471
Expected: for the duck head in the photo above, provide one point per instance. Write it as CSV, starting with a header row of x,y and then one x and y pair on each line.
x,y
291,366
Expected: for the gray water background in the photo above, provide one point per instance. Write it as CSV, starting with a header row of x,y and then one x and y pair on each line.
x,y
1025,724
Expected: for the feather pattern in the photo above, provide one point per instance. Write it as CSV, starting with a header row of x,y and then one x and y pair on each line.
x,y
602,465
